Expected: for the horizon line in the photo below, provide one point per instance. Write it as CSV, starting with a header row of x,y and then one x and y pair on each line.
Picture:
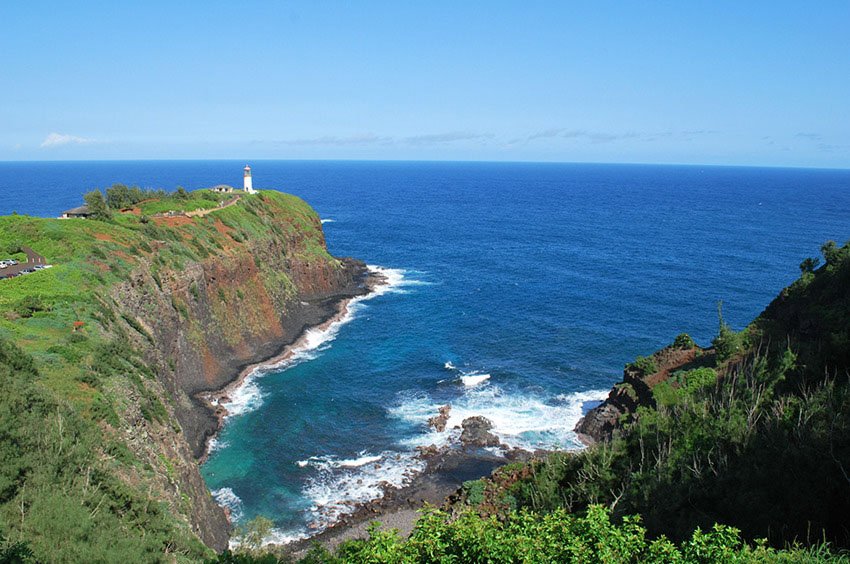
x,y
457,161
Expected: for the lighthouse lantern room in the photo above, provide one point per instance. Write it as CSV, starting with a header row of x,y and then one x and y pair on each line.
x,y
247,184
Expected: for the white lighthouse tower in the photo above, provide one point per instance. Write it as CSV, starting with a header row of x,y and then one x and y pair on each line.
x,y
247,185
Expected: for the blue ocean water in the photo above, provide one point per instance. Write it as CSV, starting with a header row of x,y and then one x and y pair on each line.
x,y
546,278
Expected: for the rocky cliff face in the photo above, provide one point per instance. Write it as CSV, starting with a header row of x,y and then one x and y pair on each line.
x,y
198,323
602,422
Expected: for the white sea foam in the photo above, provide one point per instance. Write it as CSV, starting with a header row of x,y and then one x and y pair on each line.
x,y
248,396
449,366
525,420
215,444
338,486
244,398
226,498
357,462
328,220
473,378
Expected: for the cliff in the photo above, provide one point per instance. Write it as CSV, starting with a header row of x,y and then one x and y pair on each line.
x,y
635,390
809,319
140,315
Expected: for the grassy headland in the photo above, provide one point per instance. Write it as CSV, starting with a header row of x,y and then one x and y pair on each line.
x,y
93,464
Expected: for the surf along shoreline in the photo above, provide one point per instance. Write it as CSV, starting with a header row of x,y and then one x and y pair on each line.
x,y
444,468
217,400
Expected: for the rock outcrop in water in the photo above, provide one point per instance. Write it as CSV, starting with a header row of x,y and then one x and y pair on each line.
x,y
439,421
476,432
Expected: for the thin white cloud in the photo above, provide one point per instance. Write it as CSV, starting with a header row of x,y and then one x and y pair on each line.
x,y
449,137
364,139
372,139
60,139
606,137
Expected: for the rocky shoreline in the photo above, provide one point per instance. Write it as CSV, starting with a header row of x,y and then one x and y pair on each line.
x,y
337,309
475,453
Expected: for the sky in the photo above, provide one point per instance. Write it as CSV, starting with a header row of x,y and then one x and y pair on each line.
x,y
726,82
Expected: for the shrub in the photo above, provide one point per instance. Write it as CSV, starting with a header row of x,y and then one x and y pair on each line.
x,y
30,305
643,364
474,490
809,265
683,341
727,342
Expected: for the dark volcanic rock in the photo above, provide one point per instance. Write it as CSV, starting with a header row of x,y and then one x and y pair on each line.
x,y
438,422
602,422
476,432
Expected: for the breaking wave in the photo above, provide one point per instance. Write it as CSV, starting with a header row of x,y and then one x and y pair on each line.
x,y
230,501
338,486
521,419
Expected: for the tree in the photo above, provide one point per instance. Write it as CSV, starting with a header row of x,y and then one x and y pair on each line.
x,y
97,206
809,265
831,253
118,197
253,533
181,193
727,342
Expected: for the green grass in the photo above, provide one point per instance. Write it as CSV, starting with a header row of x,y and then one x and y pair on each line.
x,y
173,204
89,257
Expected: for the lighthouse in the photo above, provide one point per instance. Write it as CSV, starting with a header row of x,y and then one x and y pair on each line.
x,y
247,185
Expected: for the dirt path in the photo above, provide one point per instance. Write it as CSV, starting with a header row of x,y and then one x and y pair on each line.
x,y
201,213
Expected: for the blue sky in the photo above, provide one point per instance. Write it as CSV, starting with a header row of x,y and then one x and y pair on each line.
x,y
762,83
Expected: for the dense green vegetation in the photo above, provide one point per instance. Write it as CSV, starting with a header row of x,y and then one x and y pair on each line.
x,y
555,536
60,495
120,197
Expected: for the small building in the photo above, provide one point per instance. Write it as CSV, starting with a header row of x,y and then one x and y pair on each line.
x,y
247,183
222,189
82,211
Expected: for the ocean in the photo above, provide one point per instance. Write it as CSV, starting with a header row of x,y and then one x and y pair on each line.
x,y
516,291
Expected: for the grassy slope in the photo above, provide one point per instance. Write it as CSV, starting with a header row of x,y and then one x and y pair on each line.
x,y
88,256
85,377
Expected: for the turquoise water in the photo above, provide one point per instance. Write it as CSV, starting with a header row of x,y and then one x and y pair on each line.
x,y
544,278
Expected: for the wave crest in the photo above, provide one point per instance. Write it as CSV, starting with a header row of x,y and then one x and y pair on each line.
x,y
521,419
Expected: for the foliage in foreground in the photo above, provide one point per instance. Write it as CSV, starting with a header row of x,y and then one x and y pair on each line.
x,y
557,536
60,499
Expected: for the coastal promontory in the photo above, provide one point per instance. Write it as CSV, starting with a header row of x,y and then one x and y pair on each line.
x,y
150,301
